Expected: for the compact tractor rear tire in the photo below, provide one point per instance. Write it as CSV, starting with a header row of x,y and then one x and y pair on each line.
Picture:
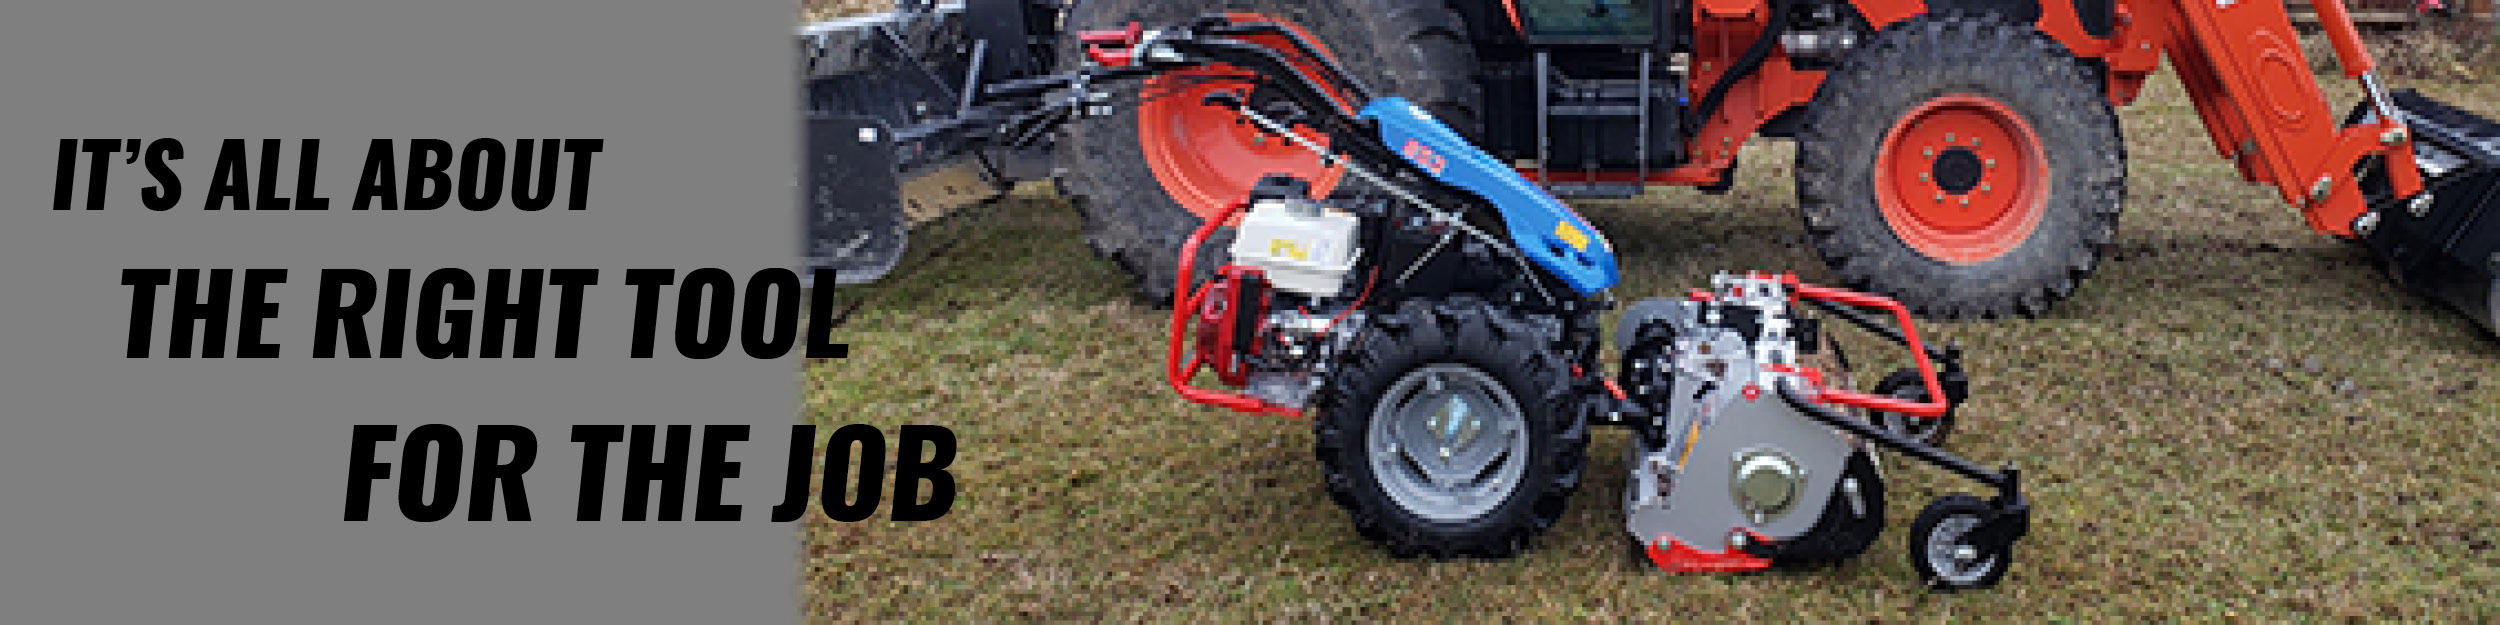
x,y
1150,173
1451,429
1965,165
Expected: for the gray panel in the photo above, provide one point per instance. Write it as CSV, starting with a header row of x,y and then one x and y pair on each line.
x,y
210,491
1702,508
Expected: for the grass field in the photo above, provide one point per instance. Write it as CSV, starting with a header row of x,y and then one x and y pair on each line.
x,y
2235,419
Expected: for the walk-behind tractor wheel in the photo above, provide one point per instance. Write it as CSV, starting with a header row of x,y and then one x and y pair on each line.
x,y
1964,165
1451,430
1942,553
1905,384
1164,160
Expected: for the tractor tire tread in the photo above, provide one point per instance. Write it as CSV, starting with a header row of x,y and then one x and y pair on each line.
x,y
2013,63
1495,341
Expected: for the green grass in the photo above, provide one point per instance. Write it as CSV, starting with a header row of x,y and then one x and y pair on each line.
x,y
2235,419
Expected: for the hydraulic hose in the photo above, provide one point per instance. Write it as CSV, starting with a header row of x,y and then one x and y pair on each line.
x,y
1745,65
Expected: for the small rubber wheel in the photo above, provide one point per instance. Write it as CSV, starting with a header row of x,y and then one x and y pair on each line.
x,y
1962,164
1942,555
1906,384
1451,430
1164,161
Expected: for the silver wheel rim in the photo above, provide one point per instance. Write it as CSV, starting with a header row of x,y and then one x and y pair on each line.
x,y
1448,442
1913,428
1954,561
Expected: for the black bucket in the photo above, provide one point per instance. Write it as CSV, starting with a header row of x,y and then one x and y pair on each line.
x,y
2445,242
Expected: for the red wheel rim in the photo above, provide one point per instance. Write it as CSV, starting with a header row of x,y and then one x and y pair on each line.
x,y
1207,156
1962,179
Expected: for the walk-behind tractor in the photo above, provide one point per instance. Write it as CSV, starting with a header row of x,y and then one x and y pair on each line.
x,y
1961,156
1437,315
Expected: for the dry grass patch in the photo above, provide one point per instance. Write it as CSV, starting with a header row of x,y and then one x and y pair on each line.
x,y
2446,50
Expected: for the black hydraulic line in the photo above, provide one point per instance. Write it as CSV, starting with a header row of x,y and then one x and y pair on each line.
x,y
1021,86
1013,115
1745,65
1871,324
1010,116
2436,121
1337,74
1915,449
1042,84
1265,62
1861,319
1352,139
1351,143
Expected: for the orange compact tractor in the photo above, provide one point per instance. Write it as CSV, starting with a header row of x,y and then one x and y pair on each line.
x,y
1961,156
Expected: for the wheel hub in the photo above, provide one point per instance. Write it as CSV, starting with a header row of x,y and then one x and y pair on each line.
x,y
1457,424
1962,179
1953,558
1957,171
1448,442
1766,483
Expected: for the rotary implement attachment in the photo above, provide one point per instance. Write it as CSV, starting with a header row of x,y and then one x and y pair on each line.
x,y
1747,458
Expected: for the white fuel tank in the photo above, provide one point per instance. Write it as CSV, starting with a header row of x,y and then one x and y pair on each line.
x,y
1304,247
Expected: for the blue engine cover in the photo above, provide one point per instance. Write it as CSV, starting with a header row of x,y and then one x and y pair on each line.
x,y
1544,229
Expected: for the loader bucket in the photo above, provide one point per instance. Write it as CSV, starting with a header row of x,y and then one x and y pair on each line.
x,y
2445,242
850,199
888,146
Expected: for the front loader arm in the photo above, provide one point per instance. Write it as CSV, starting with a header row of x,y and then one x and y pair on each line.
x,y
2242,64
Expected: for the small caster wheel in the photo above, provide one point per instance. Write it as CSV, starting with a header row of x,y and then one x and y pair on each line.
x,y
1905,384
1942,553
